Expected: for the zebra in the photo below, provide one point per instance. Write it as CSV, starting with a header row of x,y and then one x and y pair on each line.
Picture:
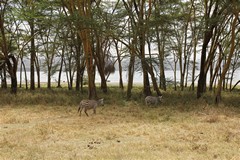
x,y
89,104
151,100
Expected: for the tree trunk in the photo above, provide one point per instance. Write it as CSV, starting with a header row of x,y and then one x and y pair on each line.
x,y
195,41
119,65
130,75
194,56
33,56
185,55
20,73
10,60
3,76
85,36
38,72
12,69
84,33
208,33
226,66
78,62
70,68
83,9
217,68
82,74
202,76
142,39
23,69
154,81
49,78
146,83
14,83
203,71
235,85
150,70
175,72
100,61
161,60
25,73
61,67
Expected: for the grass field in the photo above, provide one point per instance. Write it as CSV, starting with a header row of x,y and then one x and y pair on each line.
x,y
45,125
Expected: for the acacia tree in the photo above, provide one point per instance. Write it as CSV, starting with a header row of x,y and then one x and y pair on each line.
x,y
29,13
48,41
139,13
213,15
132,40
3,71
235,64
119,59
71,41
81,9
101,42
8,58
236,10
48,51
195,34
141,32
169,24
186,47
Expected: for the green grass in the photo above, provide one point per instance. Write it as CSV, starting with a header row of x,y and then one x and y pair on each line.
x,y
44,124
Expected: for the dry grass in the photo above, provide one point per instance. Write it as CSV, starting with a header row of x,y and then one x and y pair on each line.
x,y
123,130
125,133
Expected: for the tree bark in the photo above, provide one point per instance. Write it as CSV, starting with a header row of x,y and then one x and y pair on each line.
x,y
161,60
119,65
226,66
130,75
9,59
12,67
61,67
78,61
83,8
3,76
195,40
150,69
217,68
33,56
100,61
203,71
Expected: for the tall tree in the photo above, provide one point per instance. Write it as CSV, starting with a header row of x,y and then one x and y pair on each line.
x,y
30,9
194,25
82,9
8,58
212,14
236,10
137,12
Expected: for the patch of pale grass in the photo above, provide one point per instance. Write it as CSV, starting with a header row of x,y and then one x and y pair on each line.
x,y
131,131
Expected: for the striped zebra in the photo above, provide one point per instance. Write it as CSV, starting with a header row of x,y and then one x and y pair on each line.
x,y
89,104
151,100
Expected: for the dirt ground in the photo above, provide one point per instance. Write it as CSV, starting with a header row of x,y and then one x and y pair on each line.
x,y
115,132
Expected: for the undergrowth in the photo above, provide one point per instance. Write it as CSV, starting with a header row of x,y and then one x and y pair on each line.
x,y
44,124
181,100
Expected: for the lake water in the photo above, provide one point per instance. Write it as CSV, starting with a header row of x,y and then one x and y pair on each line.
x,y
114,78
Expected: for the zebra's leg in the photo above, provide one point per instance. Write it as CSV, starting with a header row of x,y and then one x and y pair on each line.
x,y
94,110
80,109
85,110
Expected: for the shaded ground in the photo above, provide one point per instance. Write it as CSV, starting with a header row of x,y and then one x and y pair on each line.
x,y
119,132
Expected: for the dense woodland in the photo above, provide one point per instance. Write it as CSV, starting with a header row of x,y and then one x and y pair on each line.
x,y
77,36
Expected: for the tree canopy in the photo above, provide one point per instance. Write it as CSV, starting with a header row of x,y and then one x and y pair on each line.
x,y
71,36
